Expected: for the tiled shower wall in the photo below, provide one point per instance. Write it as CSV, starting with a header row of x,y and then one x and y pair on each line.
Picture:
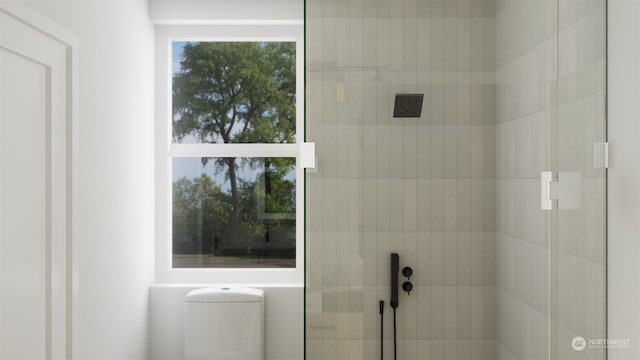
x,y
551,266
424,188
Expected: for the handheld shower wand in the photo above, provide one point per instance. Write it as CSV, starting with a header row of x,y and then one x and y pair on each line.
x,y
381,329
395,269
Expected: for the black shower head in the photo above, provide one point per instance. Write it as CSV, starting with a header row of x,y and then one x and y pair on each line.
x,y
408,106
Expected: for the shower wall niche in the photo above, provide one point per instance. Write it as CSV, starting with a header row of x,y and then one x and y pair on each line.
x,y
511,88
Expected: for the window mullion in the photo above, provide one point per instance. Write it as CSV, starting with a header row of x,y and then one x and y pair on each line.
x,y
233,150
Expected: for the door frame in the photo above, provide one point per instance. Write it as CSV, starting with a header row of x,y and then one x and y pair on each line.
x,y
35,20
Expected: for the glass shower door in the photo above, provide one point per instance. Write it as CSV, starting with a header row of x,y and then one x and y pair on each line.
x,y
578,158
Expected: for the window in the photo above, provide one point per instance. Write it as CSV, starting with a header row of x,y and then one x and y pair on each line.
x,y
230,115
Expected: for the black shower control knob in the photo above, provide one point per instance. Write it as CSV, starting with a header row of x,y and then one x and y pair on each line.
x,y
407,272
407,286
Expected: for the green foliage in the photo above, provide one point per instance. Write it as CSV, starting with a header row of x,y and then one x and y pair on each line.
x,y
242,92
202,211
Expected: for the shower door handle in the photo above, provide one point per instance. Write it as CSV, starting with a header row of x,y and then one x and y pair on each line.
x,y
546,177
567,190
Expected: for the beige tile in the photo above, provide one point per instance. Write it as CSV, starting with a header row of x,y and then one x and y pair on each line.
x,y
437,151
450,259
477,205
450,38
355,195
409,202
450,152
423,188
383,150
464,98
477,103
343,205
410,156
464,205
464,312
477,148
436,317
490,212
369,109
436,205
450,312
450,349
369,205
343,259
383,204
356,255
436,258
423,42
450,97
369,44
396,152
489,259
369,259
409,320
464,259
490,312
395,46
464,42
423,153
464,152
450,208
421,266
329,152
423,312
437,41
437,349
477,258
384,98
477,312
396,205
409,41
343,42
382,42
329,191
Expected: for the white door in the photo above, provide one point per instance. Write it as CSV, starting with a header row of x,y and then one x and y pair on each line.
x,y
34,179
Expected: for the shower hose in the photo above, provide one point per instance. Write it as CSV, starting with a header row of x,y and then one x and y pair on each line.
x,y
395,337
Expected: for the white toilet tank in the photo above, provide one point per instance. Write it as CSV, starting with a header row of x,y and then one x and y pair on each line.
x,y
224,323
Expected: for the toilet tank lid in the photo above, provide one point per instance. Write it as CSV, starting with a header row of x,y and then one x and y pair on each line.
x,y
225,295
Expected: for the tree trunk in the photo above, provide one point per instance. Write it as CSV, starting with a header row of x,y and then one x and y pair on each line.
x,y
235,203
267,191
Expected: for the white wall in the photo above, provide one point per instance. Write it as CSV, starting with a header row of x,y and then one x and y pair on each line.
x,y
284,332
194,11
624,177
115,175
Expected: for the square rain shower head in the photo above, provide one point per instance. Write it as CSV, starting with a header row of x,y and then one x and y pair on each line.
x,y
408,106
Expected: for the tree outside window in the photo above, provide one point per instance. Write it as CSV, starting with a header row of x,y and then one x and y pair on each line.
x,y
234,211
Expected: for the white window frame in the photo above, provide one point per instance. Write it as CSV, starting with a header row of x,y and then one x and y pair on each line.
x,y
165,151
